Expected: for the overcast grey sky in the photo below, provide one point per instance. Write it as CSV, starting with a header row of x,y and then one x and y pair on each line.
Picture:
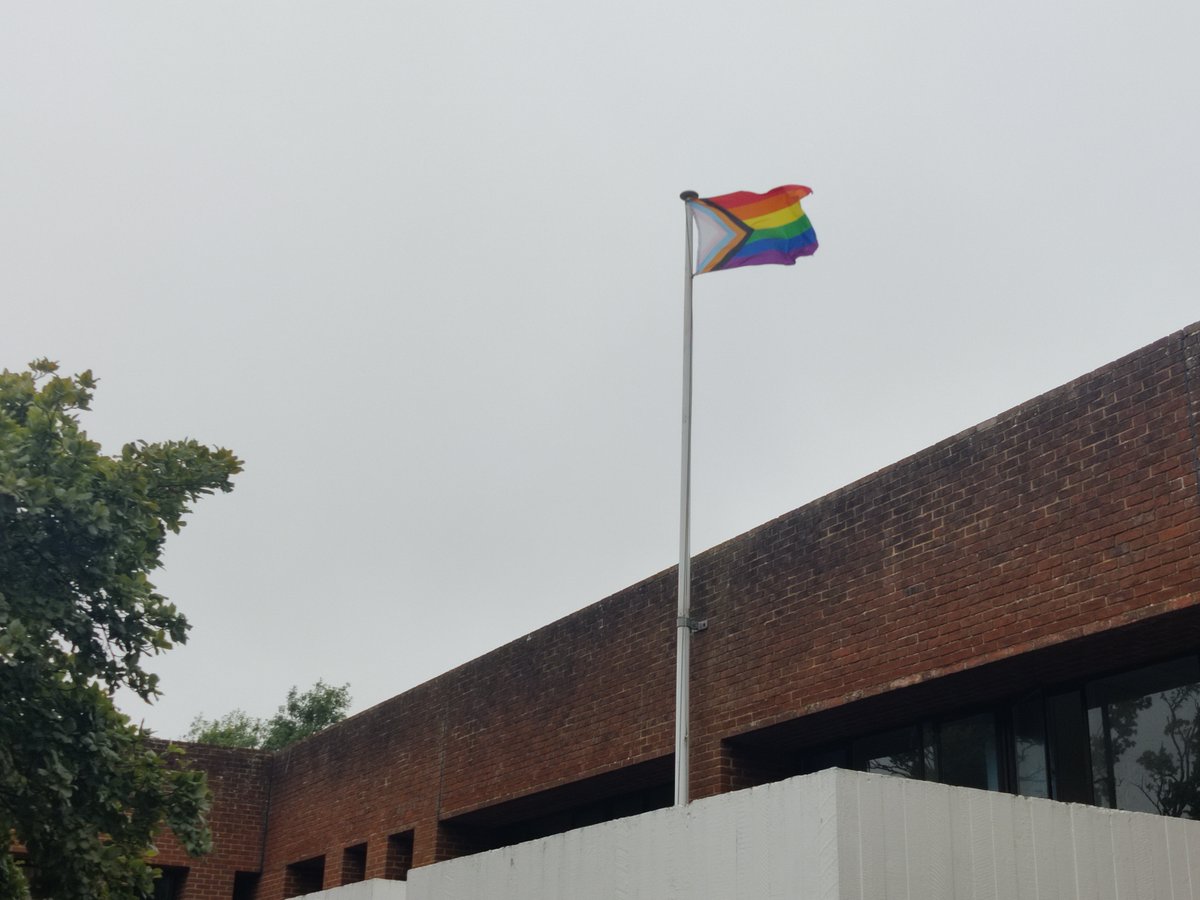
x,y
419,264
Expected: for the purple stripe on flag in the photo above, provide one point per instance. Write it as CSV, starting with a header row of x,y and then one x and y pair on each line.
x,y
769,257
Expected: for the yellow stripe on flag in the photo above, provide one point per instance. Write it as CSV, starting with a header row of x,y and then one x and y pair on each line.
x,y
773,220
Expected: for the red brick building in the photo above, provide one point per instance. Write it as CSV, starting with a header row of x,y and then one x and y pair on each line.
x,y
1015,608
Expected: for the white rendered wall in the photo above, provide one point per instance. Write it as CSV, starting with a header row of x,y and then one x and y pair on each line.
x,y
845,835
374,889
774,841
900,838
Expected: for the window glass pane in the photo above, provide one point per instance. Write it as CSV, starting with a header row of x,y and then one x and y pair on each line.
x,y
1145,726
968,753
827,758
896,752
932,769
1102,781
1029,738
1067,742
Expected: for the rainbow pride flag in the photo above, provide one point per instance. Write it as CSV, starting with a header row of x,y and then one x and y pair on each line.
x,y
748,229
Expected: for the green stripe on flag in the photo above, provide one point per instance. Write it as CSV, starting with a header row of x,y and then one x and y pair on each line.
x,y
792,229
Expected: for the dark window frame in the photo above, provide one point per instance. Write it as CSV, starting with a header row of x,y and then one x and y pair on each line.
x,y
1066,735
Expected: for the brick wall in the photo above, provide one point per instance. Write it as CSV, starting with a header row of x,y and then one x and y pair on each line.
x,y
239,783
1072,514
1056,538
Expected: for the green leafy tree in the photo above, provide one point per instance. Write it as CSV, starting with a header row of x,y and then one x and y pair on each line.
x,y
82,790
305,714
302,715
235,729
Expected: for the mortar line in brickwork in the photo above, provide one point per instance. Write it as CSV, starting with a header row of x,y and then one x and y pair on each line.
x,y
1191,405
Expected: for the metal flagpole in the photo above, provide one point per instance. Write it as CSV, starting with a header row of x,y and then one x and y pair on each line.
x,y
683,624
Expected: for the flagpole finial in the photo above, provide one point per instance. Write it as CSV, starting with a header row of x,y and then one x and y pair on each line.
x,y
688,195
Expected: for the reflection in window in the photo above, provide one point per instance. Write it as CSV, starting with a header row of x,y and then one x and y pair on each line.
x,y
1029,749
1144,737
824,758
1067,748
1129,741
962,752
968,753
898,752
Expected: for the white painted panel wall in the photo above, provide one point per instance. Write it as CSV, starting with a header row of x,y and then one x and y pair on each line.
x,y
845,835
373,889
761,844
934,841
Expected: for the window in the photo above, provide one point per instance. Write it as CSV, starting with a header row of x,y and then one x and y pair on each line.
x,y
1031,765
1066,745
1128,741
580,815
900,752
967,753
963,752
1144,739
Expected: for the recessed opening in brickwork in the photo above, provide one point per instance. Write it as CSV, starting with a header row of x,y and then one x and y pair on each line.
x,y
1095,736
580,816
304,877
354,864
795,746
613,795
398,859
244,885
169,885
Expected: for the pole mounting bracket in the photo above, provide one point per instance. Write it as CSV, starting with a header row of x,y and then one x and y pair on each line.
x,y
691,624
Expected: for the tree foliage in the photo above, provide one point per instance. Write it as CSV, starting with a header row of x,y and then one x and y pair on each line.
x,y
306,714
302,715
234,729
81,788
